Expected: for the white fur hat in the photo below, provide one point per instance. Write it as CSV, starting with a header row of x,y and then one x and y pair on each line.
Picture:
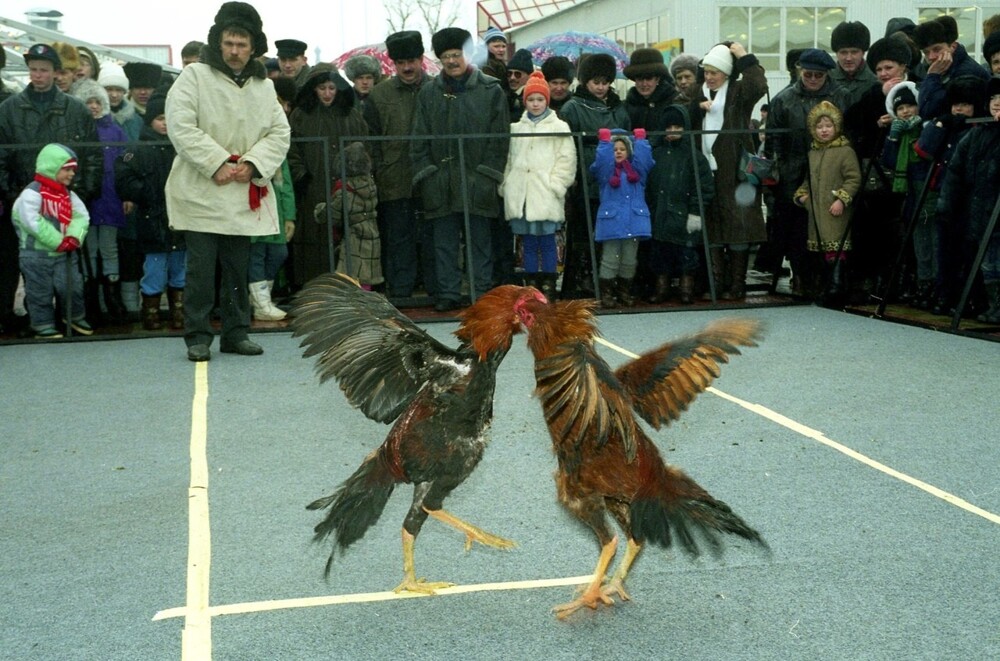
x,y
719,57
113,75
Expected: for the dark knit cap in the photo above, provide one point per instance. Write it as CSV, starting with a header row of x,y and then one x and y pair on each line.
x,y
405,45
557,67
941,30
674,116
285,88
850,35
449,39
596,65
904,96
142,74
899,24
991,46
792,58
242,16
645,62
892,48
521,61
157,106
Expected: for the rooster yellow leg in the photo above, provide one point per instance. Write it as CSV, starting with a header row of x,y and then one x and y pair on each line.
x,y
472,533
617,583
410,581
592,594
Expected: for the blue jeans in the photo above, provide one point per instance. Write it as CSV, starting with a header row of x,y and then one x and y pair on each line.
x,y
266,260
44,275
448,232
162,270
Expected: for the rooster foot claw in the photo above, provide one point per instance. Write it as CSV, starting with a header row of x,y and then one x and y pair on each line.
x,y
487,539
616,587
421,586
591,599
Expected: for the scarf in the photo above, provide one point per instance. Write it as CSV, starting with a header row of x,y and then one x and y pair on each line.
x,y
906,155
56,202
713,121
630,173
257,193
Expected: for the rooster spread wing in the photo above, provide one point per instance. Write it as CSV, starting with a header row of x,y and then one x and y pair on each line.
x,y
582,398
379,357
663,382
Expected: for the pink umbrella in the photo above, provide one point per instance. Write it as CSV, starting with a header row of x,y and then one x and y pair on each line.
x,y
379,53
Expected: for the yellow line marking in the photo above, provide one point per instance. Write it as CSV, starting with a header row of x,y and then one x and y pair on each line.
x,y
367,597
196,637
843,449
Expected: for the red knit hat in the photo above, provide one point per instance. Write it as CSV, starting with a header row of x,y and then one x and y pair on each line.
x,y
536,85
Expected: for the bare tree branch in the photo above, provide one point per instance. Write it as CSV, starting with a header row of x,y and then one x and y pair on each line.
x,y
398,13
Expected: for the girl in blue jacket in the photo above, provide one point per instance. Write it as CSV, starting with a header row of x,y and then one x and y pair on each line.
x,y
620,168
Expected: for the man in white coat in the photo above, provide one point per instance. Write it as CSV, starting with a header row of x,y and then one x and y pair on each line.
x,y
231,137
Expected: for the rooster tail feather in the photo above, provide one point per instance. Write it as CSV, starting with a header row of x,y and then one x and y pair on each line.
x,y
355,506
688,516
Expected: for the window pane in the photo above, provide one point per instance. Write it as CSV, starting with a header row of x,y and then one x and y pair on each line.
x,y
734,24
766,35
769,62
968,28
801,27
827,19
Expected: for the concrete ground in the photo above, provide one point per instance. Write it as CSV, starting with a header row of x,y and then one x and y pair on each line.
x,y
154,508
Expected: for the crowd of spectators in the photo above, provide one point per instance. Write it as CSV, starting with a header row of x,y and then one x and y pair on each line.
x,y
432,160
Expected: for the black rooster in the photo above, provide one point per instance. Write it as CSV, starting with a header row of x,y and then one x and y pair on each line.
x,y
441,400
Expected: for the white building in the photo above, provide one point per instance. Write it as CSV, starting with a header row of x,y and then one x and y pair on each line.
x,y
768,28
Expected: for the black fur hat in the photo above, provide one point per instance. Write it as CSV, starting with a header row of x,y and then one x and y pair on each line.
x,y
850,35
943,29
966,89
157,106
557,67
892,48
142,74
991,46
449,39
646,62
242,16
594,65
405,45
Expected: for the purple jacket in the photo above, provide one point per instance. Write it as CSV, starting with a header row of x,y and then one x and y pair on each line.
x,y
106,208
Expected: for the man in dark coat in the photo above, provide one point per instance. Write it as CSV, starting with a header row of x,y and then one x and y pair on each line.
x,y
947,59
40,114
789,110
849,42
462,100
389,111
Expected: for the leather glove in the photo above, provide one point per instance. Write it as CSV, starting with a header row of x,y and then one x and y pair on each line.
x,y
604,135
640,134
68,244
693,223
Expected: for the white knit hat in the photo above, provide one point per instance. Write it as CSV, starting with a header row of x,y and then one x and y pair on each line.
x,y
112,75
719,57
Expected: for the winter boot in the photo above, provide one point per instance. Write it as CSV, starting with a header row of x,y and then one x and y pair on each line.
x,y
737,290
607,293
130,299
263,308
547,285
718,256
625,292
661,289
992,315
687,288
151,312
112,287
176,298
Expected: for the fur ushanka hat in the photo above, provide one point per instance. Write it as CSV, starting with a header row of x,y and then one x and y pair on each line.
x,y
362,65
966,89
892,48
941,30
405,45
596,65
242,16
557,67
449,39
646,62
850,35
684,62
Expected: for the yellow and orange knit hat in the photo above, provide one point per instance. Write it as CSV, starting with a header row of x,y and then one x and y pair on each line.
x,y
536,85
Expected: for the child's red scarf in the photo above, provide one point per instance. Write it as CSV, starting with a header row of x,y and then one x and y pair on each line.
x,y
56,202
630,173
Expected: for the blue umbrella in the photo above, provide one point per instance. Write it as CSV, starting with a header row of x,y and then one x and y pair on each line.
x,y
573,44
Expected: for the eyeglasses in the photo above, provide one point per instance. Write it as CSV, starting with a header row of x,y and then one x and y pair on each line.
x,y
814,75
446,57
515,74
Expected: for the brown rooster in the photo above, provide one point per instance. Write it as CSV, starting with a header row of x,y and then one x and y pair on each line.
x,y
607,464
441,400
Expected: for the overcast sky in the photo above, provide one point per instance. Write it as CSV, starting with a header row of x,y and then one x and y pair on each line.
x,y
332,26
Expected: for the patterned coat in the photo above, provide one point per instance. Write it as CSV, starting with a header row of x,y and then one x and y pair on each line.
x,y
834,174
364,259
